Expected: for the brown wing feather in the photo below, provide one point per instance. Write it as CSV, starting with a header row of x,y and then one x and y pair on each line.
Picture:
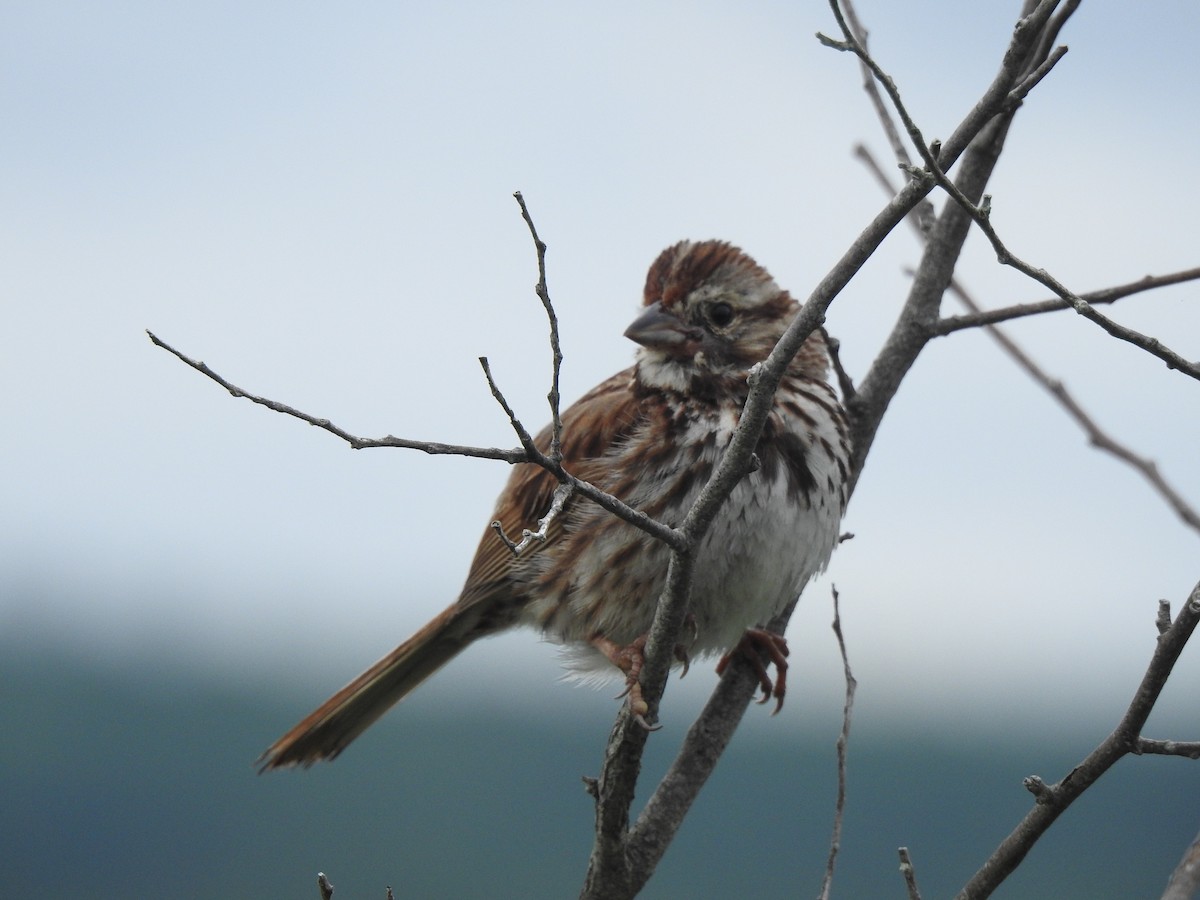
x,y
591,426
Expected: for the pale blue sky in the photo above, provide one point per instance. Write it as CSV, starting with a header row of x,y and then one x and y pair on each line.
x,y
316,200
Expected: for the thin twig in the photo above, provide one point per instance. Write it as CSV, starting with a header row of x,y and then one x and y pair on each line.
x,y
543,293
843,741
1189,749
1015,66
924,214
951,324
1098,438
1021,91
558,503
979,140
358,443
981,216
529,454
909,873
522,434
845,382
1049,35
980,213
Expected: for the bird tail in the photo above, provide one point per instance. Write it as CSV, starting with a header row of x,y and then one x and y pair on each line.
x,y
330,728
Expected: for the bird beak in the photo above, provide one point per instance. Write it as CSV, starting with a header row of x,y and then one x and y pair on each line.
x,y
659,329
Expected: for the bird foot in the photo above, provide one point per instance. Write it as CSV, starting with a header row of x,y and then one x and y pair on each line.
x,y
750,646
629,659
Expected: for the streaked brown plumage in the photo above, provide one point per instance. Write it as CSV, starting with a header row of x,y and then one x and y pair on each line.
x,y
650,435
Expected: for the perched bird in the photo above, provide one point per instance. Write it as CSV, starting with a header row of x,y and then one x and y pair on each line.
x,y
652,436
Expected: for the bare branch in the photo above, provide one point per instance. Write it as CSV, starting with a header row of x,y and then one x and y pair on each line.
x,y
1052,28
522,435
1099,439
980,214
1189,749
1153,346
672,537
543,293
1185,880
980,140
845,382
951,324
895,141
324,886
528,453
1021,91
1057,797
358,443
909,873
843,741
1053,799
1020,61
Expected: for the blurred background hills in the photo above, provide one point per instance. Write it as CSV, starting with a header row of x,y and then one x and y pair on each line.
x,y
136,780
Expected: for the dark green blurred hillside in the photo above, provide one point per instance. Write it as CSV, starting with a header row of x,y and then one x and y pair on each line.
x,y
139,784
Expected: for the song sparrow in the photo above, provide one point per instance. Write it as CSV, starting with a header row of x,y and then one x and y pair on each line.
x,y
650,435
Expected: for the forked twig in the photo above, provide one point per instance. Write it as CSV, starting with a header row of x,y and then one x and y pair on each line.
x,y
1098,438
980,213
527,453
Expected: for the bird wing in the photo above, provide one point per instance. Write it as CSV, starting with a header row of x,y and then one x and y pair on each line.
x,y
591,427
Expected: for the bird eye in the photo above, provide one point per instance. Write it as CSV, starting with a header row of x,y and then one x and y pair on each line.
x,y
720,314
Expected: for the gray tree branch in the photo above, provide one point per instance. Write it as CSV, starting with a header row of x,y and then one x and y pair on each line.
x,y
1099,438
1052,799
909,873
950,324
979,138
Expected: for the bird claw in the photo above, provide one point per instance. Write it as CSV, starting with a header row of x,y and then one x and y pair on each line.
x,y
681,649
640,719
775,645
629,659
637,704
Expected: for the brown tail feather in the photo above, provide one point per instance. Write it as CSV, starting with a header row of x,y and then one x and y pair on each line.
x,y
327,731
